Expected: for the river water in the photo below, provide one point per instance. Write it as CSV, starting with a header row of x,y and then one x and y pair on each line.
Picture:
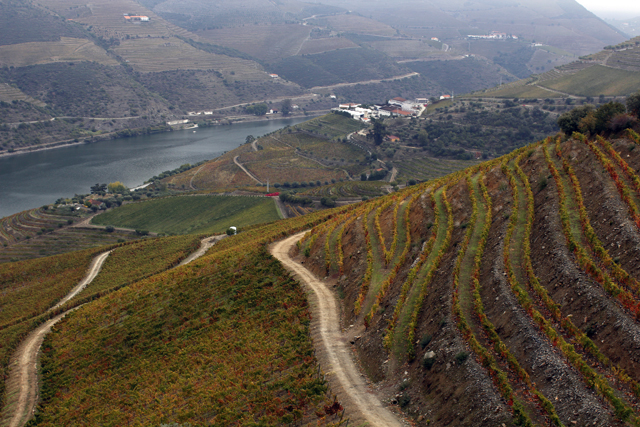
x,y
34,179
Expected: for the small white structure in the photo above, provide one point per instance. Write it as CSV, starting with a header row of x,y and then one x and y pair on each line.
x,y
233,231
178,122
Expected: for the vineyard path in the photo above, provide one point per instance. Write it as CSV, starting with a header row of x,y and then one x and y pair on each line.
x,y
334,347
22,385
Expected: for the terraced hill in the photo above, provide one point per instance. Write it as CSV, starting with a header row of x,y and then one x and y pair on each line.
x,y
508,292
39,233
611,72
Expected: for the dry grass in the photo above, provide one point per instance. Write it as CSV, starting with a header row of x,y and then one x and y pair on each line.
x,y
265,42
155,54
65,50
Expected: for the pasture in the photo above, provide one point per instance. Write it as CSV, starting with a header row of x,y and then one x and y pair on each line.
x,y
597,80
191,214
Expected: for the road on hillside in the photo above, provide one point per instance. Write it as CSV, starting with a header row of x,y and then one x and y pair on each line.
x,y
252,176
333,346
22,384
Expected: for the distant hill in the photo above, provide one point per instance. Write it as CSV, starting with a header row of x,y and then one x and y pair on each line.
x,y
220,56
610,72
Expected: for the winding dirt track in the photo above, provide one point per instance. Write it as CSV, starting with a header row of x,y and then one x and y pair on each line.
x,y
22,385
338,353
205,245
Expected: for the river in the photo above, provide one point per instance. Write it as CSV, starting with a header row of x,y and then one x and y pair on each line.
x,y
34,179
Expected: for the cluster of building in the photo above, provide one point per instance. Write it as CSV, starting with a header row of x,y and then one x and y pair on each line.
x,y
396,107
494,35
136,18
200,113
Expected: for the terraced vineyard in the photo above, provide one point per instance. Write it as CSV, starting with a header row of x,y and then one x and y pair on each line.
x,y
231,327
349,189
504,293
38,233
191,215
426,168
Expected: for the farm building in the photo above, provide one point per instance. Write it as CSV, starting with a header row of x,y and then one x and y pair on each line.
x,y
136,18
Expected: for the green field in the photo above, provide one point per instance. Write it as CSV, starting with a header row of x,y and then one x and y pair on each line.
x,y
597,80
182,215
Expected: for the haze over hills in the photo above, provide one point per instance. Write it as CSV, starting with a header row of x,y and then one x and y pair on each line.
x,y
108,76
611,72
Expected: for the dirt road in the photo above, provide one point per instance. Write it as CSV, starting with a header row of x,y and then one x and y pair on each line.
x,y
205,245
22,385
362,405
94,269
252,176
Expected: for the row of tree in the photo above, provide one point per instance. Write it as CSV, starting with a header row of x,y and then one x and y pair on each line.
x,y
609,117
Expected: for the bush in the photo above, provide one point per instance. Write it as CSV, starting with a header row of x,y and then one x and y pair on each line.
x,y
109,229
404,400
461,357
142,232
426,339
329,202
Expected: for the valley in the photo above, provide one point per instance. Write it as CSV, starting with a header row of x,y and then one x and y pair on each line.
x,y
261,213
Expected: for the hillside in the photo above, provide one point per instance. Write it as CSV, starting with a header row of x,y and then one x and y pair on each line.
x,y
452,290
254,337
135,75
503,293
611,72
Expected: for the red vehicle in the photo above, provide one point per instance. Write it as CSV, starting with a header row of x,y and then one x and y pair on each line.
x,y
272,194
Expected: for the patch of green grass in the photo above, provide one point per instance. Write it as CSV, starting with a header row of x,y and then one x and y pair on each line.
x,y
402,329
597,80
190,215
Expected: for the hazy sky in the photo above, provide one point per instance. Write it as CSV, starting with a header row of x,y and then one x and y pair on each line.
x,y
613,8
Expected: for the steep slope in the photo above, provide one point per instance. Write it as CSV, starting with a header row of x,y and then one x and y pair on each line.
x,y
611,72
503,284
222,340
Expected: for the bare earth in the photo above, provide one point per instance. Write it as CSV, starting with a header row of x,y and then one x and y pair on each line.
x,y
335,353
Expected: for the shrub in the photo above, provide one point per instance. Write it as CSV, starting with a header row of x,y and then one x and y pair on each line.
x,y
109,228
426,339
461,357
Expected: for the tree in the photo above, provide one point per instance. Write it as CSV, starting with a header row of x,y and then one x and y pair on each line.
x,y
117,188
379,131
605,113
569,122
98,188
249,139
633,104
258,109
285,107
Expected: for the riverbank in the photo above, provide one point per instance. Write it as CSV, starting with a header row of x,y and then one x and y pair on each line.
x,y
227,121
